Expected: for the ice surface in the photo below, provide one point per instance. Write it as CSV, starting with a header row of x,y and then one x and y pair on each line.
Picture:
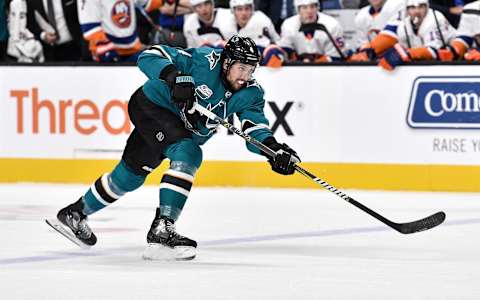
x,y
253,244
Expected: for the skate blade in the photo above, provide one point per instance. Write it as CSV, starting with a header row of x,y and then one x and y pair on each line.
x,y
160,252
58,226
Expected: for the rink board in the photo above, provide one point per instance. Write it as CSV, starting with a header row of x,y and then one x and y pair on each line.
x,y
258,174
354,126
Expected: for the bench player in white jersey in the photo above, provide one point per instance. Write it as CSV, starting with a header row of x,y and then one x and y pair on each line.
x,y
468,34
305,36
418,37
208,25
372,18
110,27
257,26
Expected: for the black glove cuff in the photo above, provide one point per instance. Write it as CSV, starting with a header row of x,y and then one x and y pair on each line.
x,y
271,143
168,74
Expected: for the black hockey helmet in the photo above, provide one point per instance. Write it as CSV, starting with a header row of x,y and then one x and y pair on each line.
x,y
242,49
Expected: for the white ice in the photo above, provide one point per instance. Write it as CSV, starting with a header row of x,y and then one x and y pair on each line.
x,y
253,244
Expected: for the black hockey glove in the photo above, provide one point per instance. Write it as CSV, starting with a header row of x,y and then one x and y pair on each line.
x,y
286,158
181,86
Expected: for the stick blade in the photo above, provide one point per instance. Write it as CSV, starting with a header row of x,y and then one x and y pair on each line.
x,y
423,224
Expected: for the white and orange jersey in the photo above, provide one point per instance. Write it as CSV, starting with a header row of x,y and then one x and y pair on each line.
x,y
113,20
198,34
469,26
259,28
429,34
314,42
369,22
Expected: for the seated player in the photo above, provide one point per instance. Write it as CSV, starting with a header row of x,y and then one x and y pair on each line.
x,y
256,25
207,25
312,36
372,18
465,45
419,36
110,28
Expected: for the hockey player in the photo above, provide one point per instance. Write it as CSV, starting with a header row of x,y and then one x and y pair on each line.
x,y
468,34
257,26
110,27
418,37
22,44
312,36
166,126
207,26
372,18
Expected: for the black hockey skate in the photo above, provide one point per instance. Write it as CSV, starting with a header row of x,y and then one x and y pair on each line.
x,y
164,243
72,223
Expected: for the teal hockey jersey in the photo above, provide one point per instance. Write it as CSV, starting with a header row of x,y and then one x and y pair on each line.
x,y
204,65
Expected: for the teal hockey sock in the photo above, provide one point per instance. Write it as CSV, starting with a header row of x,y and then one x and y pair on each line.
x,y
175,187
111,187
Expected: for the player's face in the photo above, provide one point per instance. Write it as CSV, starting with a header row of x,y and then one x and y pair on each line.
x,y
308,13
417,13
376,3
243,14
239,74
204,11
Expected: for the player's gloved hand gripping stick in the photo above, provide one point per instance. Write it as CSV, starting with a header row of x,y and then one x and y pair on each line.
x,y
182,87
405,228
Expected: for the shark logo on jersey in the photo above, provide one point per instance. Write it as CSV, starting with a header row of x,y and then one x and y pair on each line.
x,y
213,58
203,91
217,109
220,109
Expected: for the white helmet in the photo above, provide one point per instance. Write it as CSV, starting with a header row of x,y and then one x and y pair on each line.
x,y
235,3
416,2
197,2
297,3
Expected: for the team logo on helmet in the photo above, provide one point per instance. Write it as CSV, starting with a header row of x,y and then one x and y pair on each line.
x,y
121,13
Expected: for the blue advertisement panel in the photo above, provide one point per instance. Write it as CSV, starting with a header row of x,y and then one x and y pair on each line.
x,y
445,102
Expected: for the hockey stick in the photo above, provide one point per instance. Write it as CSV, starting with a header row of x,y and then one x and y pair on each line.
x,y
321,27
147,17
444,44
405,228
175,10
